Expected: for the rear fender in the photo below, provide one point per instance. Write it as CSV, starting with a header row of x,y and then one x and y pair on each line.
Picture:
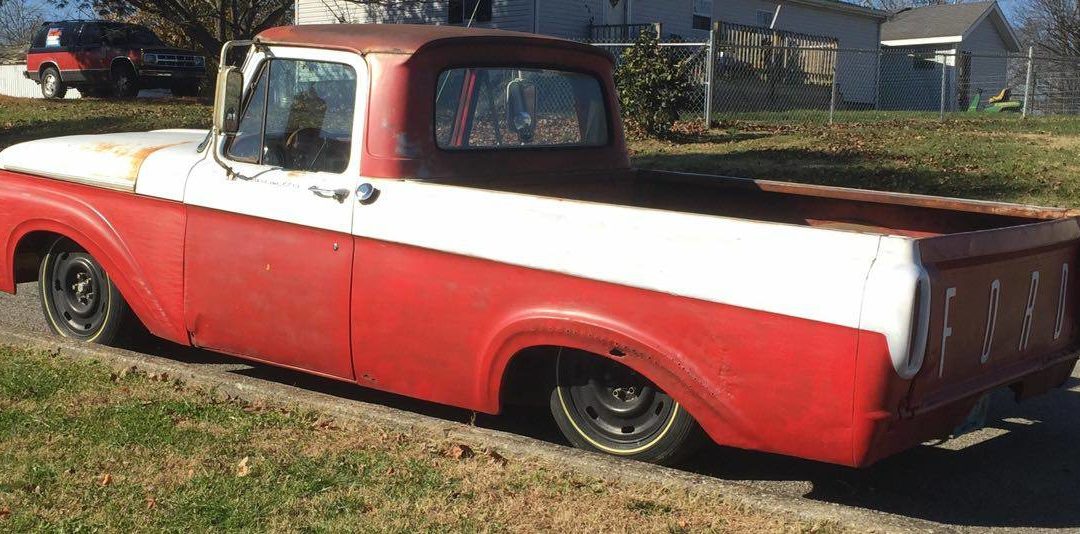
x,y
621,343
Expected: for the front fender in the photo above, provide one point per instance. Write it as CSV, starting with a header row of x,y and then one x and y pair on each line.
x,y
138,241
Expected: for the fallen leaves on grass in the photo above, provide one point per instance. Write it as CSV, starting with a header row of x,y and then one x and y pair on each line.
x,y
5,512
243,468
459,451
105,480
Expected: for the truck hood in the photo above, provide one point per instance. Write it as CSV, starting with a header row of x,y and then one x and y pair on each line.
x,y
113,161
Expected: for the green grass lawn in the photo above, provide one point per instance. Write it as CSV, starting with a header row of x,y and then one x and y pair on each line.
x,y
83,449
1004,158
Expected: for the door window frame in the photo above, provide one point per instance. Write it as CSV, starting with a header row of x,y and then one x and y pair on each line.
x,y
252,68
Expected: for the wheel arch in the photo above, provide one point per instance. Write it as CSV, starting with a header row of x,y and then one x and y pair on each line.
x,y
94,235
122,61
539,337
49,63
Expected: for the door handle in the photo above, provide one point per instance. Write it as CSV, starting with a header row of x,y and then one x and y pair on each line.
x,y
337,194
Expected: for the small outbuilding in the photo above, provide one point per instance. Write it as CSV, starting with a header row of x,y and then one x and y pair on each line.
x,y
970,45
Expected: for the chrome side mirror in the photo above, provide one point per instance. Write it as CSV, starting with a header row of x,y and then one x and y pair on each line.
x,y
227,99
521,108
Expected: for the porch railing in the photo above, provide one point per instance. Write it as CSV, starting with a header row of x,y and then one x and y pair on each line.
x,y
621,33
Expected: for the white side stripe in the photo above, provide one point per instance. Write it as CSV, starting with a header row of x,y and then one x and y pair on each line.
x,y
799,271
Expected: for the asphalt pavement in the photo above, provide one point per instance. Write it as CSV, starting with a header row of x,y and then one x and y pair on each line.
x,y
1020,473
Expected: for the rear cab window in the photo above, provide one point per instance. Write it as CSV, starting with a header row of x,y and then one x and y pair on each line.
x,y
484,108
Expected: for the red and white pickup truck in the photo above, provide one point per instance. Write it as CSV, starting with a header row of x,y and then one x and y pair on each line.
x,y
451,215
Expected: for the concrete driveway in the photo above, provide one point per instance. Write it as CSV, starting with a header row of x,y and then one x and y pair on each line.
x,y
1021,473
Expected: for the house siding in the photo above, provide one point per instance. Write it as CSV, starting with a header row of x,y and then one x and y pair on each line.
x,y
675,16
989,62
570,18
903,87
515,15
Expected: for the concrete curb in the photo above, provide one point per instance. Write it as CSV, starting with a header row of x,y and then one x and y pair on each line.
x,y
509,445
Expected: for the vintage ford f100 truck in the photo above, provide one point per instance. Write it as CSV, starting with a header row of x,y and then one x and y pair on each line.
x,y
451,215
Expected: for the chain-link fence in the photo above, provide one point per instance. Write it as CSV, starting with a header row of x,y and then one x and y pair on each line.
x,y
821,82
695,57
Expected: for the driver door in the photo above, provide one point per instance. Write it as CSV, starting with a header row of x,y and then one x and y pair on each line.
x,y
268,253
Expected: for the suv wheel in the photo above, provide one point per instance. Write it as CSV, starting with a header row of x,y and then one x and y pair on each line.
x,y
51,84
124,82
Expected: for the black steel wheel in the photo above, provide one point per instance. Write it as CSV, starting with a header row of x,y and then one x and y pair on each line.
x,y
51,84
77,296
602,405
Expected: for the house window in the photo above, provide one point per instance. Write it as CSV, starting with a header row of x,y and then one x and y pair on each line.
x,y
764,18
463,11
702,15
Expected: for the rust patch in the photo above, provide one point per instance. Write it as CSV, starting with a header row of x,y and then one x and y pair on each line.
x,y
135,156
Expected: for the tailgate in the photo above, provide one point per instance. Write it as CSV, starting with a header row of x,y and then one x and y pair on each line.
x,y
1003,305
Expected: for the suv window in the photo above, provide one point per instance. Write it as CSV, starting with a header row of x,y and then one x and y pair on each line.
x,y
299,116
39,37
90,35
54,35
506,108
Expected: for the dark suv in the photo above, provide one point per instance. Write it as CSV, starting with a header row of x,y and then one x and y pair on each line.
x,y
103,58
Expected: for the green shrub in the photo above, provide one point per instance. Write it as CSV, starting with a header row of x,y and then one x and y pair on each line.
x,y
654,85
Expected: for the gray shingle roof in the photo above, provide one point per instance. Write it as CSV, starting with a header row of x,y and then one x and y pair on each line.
x,y
933,21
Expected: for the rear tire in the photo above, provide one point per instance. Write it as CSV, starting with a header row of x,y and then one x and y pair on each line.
x,y
603,406
77,296
52,87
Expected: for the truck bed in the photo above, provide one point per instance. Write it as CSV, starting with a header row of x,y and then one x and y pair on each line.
x,y
837,208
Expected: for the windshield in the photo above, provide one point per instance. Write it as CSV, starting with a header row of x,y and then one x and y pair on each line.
x,y
496,108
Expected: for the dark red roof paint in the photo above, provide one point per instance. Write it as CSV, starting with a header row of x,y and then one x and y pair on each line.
x,y
408,38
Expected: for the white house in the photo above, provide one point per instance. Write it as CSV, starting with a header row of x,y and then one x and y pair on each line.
x,y
842,25
971,43
854,26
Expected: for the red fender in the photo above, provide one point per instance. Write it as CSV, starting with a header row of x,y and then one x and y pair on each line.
x,y
116,228
631,347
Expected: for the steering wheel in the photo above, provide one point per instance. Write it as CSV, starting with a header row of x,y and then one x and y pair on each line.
x,y
303,148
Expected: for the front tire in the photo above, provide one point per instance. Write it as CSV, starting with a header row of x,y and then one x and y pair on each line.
x,y
77,296
603,406
125,83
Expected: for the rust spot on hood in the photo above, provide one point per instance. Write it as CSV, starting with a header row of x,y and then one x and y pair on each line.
x,y
134,154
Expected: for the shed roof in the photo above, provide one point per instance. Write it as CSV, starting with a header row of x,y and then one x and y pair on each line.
x,y
405,38
947,23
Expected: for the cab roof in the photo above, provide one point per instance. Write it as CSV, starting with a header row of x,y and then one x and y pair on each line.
x,y
407,38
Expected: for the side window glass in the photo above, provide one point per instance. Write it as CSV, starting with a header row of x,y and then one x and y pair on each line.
x,y
247,143
90,35
309,115
39,38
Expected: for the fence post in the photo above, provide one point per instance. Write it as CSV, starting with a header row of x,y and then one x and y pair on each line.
x,y
1028,82
944,73
710,74
832,96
